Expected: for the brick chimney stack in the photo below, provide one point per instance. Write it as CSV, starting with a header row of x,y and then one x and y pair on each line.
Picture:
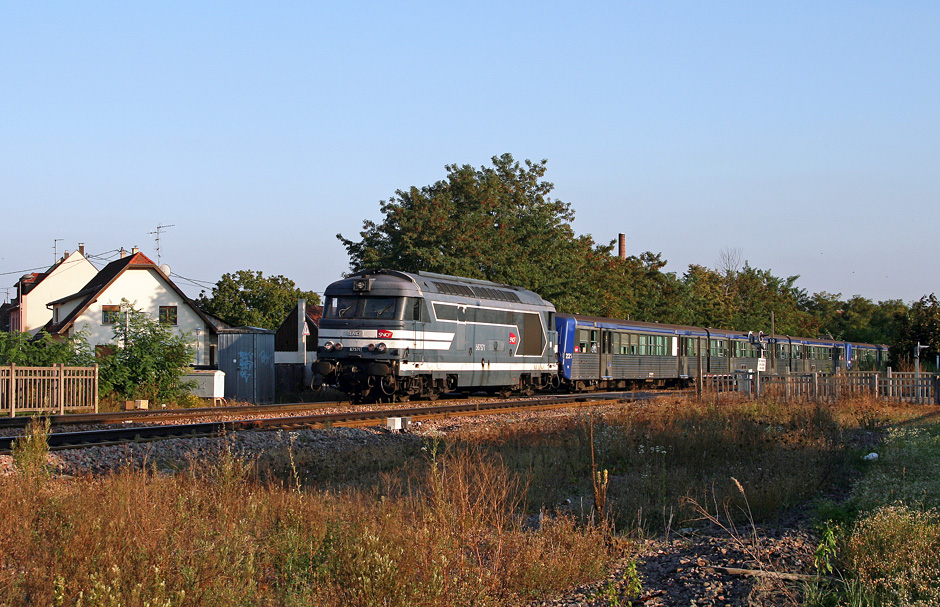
x,y
623,246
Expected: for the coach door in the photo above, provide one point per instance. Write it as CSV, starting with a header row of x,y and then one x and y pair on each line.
x,y
417,313
606,357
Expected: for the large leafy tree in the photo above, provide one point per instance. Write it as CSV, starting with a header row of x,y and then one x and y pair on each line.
x,y
248,299
496,223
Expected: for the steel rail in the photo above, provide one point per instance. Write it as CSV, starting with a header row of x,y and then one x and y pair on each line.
x,y
161,414
90,438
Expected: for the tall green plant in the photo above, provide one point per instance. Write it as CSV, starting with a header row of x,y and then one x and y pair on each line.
x,y
149,360
42,350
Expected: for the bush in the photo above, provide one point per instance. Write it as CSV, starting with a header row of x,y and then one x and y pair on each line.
x,y
150,362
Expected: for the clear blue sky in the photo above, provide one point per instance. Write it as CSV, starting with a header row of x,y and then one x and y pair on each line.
x,y
807,135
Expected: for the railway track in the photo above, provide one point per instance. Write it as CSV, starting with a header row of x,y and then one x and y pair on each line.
x,y
116,436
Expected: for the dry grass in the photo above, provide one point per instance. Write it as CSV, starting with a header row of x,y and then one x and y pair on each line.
x,y
664,455
498,517
447,535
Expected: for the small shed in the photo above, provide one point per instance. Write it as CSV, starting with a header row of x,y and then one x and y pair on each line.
x,y
246,355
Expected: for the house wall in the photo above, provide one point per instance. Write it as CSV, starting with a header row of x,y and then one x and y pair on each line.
x,y
71,275
147,290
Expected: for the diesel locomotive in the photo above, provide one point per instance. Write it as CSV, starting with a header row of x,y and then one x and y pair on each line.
x,y
388,335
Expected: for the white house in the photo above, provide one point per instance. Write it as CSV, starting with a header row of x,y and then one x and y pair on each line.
x,y
95,307
29,312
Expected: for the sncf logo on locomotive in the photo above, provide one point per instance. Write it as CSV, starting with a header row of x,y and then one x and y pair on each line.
x,y
513,339
383,334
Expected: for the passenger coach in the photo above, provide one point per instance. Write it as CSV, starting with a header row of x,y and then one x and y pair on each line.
x,y
388,335
604,353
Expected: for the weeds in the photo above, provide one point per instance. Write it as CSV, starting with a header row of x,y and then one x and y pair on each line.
x,y
30,452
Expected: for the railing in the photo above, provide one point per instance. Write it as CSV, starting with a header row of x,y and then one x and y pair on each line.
x,y
903,387
47,389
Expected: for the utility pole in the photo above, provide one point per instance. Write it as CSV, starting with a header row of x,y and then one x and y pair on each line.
x,y
157,232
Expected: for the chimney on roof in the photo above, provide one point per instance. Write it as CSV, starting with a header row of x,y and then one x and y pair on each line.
x,y
135,250
123,253
65,254
81,248
623,246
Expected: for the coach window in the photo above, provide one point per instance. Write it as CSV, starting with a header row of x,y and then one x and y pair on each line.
x,y
594,341
582,341
413,309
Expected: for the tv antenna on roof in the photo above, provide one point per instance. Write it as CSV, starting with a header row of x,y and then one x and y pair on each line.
x,y
55,249
157,232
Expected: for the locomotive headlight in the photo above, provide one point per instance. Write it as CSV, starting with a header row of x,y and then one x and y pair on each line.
x,y
381,348
338,346
328,346
370,347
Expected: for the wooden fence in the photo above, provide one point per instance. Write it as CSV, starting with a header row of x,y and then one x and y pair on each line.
x,y
47,389
902,387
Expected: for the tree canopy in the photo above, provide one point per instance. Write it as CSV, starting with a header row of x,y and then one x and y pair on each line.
x,y
496,223
499,223
248,299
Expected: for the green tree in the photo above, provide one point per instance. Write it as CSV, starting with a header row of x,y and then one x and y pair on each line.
x,y
921,325
496,223
148,360
42,350
707,299
248,299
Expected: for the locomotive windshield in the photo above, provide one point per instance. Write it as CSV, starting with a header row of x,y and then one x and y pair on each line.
x,y
362,308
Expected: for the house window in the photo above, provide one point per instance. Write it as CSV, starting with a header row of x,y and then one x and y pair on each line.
x,y
110,315
168,315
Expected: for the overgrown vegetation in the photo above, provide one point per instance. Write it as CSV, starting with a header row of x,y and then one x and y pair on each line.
x,y
883,542
148,360
446,533
42,350
496,517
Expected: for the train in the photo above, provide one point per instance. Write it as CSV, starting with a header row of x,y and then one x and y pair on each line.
x,y
387,335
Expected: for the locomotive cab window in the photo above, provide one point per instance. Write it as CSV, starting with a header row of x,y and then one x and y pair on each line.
x,y
364,308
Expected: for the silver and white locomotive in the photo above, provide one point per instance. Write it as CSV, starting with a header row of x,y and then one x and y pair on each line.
x,y
387,335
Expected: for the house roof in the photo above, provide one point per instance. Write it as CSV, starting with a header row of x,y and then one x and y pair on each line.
x,y
104,279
